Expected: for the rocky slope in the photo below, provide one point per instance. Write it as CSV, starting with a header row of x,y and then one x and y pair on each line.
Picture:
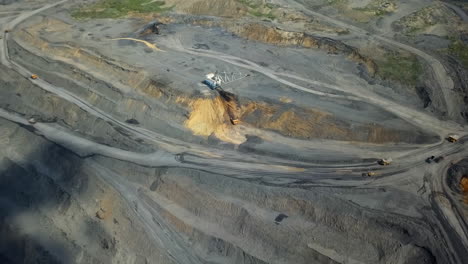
x,y
116,153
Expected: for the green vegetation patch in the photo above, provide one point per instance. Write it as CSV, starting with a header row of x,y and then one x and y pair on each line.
x,y
406,70
250,3
373,10
364,14
259,9
119,8
422,20
459,50
268,15
336,2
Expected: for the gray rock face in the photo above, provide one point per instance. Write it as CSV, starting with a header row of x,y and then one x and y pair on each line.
x,y
7,2
112,150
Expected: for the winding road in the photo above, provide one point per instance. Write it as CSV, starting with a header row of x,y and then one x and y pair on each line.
x,y
175,153
443,79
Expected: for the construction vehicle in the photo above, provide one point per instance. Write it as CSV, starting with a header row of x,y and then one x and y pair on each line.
x,y
212,81
34,76
453,138
385,161
152,27
368,174
235,121
439,159
430,159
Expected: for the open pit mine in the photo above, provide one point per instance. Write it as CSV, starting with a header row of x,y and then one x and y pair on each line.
x,y
234,131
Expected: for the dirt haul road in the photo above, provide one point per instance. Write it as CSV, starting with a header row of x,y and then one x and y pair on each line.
x,y
196,203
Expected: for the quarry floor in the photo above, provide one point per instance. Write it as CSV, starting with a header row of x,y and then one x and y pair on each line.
x,y
118,154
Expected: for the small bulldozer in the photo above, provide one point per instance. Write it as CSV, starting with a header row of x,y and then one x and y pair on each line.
x,y
368,174
453,138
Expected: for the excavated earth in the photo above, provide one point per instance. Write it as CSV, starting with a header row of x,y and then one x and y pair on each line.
x,y
117,153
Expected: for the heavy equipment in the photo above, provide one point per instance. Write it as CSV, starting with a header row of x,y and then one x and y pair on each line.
x,y
214,81
368,174
385,161
235,121
439,159
430,159
152,27
453,138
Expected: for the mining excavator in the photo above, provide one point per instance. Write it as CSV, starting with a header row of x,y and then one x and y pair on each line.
x,y
214,81
152,27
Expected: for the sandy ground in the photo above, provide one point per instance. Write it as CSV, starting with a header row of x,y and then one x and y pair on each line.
x,y
117,153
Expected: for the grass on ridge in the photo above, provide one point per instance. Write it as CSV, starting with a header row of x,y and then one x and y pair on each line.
x,y
119,8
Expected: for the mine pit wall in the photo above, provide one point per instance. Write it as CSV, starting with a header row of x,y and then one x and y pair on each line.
x,y
227,211
459,75
231,103
272,35
266,34
210,115
305,123
454,178
48,202
209,247
224,220
146,103
111,78
24,98
295,123
259,233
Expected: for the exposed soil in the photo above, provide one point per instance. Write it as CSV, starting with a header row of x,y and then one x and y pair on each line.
x,y
113,150
457,179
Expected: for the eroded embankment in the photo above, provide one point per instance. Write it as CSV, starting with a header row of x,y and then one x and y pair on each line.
x,y
49,205
305,123
130,94
214,115
217,218
115,75
125,92
215,212
210,116
20,96
457,179
270,34
460,77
